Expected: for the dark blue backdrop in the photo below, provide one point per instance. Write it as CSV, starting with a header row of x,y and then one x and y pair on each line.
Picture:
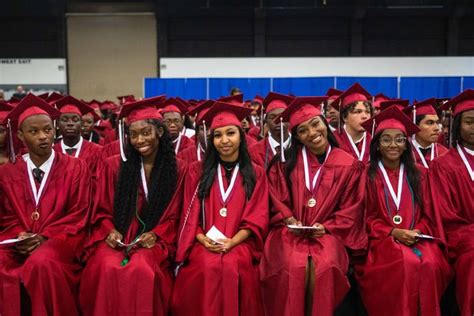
x,y
405,87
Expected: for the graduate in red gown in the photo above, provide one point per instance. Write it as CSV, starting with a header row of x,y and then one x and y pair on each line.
x,y
70,126
264,150
46,202
173,112
303,270
218,275
425,144
403,274
5,108
134,224
355,108
196,153
90,131
330,111
454,197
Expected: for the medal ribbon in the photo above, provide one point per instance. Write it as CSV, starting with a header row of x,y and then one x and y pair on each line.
x,y
360,155
315,183
144,184
466,163
225,193
37,193
395,197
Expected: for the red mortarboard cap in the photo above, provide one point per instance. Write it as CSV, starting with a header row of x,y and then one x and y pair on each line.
x,y
276,101
129,98
173,105
43,96
53,97
72,105
258,99
94,104
355,93
301,110
425,107
201,109
391,118
460,103
5,108
183,102
237,99
142,110
379,98
399,103
225,114
29,106
332,93
107,105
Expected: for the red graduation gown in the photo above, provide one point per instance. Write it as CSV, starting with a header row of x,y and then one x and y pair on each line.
x,y
393,274
110,149
185,143
51,273
90,153
261,153
439,150
143,286
220,284
345,144
453,197
254,132
339,208
189,155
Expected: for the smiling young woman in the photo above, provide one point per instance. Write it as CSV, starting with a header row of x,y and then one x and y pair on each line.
x,y
401,270
318,186
133,226
219,276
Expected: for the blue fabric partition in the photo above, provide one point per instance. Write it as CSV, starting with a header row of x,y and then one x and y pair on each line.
x,y
303,86
220,87
185,88
468,83
385,85
421,88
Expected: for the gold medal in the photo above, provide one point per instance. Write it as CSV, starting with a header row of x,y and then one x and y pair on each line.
x,y
311,202
223,212
397,219
35,215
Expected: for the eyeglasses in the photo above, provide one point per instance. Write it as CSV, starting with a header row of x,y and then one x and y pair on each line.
x,y
387,141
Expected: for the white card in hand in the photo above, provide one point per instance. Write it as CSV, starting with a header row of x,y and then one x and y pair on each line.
x,y
215,235
14,240
120,243
426,236
302,227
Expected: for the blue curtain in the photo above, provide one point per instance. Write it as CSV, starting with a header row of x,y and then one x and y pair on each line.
x,y
185,88
468,83
421,88
385,85
303,86
220,87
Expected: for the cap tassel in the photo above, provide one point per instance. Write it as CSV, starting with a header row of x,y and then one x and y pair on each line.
x,y
122,151
10,140
205,133
262,120
282,150
450,137
340,118
373,128
414,114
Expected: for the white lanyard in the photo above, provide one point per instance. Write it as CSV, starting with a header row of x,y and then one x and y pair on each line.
x,y
144,185
306,170
466,163
420,154
225,194
37,193
396,198
199,148
178,143
360,155
78,147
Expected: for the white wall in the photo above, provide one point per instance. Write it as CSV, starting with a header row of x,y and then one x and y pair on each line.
x,y
24,71
316,67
